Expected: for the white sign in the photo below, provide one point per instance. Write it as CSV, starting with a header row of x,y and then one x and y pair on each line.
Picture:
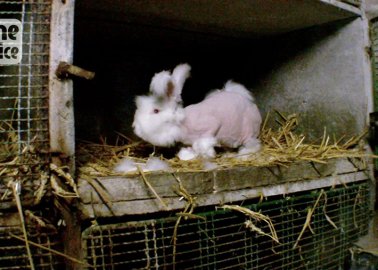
x,y
10,41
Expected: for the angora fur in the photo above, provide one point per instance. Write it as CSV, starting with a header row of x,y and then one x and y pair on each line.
x,y
226,117
127,165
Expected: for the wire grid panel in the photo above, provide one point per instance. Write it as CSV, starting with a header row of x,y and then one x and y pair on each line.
x,y
220,239
13,254
374,41
24,134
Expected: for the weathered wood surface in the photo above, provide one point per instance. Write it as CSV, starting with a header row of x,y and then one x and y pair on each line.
x,y
130,195
144,206
61,114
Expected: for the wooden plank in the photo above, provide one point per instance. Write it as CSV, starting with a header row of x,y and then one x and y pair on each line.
x,y
133,187
61,115
175,203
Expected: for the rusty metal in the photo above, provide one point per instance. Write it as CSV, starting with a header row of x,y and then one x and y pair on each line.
x,y
66,70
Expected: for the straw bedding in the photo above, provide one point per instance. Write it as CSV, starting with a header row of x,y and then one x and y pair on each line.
x,y
280,146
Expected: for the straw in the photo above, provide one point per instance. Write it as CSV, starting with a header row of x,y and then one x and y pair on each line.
x,y
148,184
256,216
51,250
280,146
186,213
16,192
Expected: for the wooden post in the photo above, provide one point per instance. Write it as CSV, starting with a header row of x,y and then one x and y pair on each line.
x,y
61,114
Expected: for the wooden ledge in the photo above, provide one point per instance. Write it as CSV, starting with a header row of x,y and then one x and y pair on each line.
x,y
129,195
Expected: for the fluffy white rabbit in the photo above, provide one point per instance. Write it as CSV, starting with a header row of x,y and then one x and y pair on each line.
x,y
227,117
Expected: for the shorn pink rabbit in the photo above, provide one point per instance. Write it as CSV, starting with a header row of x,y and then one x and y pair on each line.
x,y
227,117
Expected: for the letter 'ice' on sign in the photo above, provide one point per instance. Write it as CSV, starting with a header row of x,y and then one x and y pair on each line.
x,y
10,41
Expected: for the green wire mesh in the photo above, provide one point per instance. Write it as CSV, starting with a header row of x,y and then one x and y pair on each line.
x,y
374,41
374,57
221,240
13,254
24,89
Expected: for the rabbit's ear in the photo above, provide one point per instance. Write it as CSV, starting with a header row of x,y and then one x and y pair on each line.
x,y
165,84
170,89
179,76
160,82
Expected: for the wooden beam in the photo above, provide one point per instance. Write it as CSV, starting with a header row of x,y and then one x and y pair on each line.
x,y
61,114
145,206
129,195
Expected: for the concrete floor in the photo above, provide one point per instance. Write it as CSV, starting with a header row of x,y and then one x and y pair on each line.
x,y
365,253
370,241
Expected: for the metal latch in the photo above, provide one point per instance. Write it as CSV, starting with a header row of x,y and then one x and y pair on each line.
x,y
66,70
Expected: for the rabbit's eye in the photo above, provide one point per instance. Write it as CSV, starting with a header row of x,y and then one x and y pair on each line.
x,y
156,111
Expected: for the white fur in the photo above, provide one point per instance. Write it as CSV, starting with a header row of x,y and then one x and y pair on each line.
x,y
187,153
205,147
156,164
234,87
159,118
127,165
160,81
162,129
179,76
252,146
209,166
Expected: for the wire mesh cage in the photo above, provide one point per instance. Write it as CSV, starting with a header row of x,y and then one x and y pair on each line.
x,y
373,121
219,239
13,254
24,135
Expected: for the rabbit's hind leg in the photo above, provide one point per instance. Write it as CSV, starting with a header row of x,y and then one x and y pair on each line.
x,y
253,145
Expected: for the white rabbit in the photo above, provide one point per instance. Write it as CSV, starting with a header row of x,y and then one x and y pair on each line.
x,y
227,117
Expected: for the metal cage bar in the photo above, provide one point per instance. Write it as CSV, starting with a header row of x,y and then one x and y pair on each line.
x,y
220,240
24,128
13,253
374,60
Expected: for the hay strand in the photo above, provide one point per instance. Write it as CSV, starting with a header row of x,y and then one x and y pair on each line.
x,y
142,174
307,224
186,213
356,199
51,250
256,216
40,192
59,191
16,192
333,224
280,146
190,216
66,176
35,218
